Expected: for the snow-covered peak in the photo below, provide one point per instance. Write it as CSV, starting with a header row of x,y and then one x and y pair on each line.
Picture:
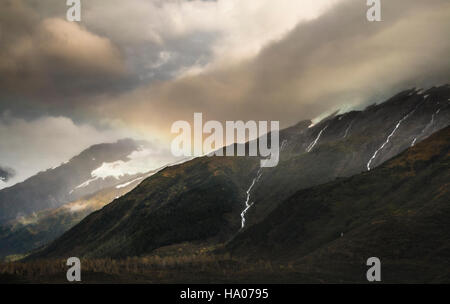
x,y
139,162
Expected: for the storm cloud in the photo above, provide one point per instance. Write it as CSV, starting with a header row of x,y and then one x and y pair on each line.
x,y
132,68
337,61
51,66
50,61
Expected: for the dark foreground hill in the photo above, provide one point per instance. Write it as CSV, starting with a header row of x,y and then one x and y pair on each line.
x,y
398,212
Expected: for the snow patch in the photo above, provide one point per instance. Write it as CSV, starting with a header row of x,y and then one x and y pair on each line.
x,y
84,184
76,207
140,161
129,183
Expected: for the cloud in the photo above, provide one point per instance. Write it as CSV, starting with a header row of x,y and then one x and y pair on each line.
x,y
77,50
140,65
337,60
52,58
39,144
49,65
242,27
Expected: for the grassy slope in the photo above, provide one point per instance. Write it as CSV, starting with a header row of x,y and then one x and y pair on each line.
x,y
193,201
152,216
398,212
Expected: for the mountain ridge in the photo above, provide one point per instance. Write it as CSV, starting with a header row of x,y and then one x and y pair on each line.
x,y
150,216
55,187
25,234
397,212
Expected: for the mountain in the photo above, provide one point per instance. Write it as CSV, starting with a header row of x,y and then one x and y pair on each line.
x,y
208,199
22,235
195,200
82,175
397,212
347,144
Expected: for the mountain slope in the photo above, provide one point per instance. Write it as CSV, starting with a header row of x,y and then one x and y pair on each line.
x,y
66,183
398,212
20,236
203,199
188,202
344,145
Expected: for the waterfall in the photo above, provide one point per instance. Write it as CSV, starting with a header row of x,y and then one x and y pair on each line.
x,y
311,146
388,138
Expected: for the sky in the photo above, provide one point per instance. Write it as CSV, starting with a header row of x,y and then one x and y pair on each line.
x,y
132,68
